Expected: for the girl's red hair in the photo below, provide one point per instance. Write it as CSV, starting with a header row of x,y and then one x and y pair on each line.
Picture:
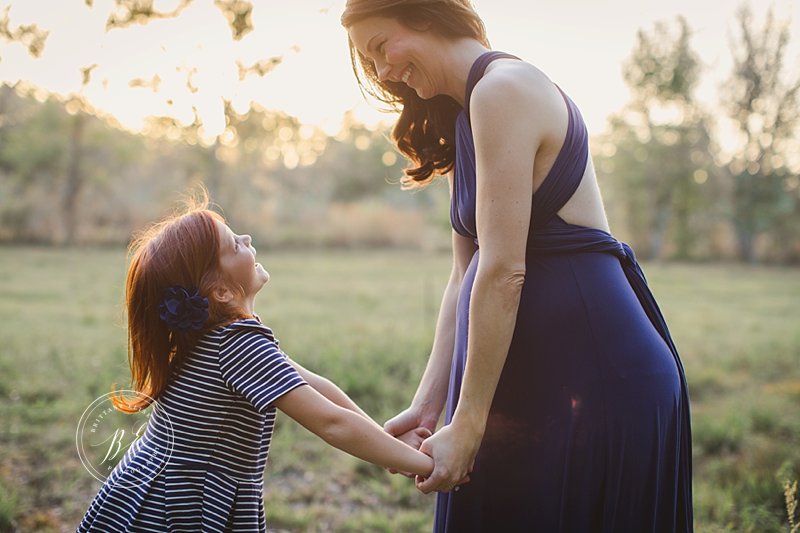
x,y
182,250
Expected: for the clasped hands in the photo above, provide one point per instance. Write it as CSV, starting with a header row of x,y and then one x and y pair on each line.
x,y
453,452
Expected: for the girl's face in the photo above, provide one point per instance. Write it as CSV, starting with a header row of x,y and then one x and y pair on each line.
x,y
398,52
238,261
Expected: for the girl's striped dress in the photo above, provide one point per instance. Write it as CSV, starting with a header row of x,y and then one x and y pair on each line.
x,y
200,464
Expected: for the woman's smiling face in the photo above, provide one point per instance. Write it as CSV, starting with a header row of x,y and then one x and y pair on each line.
x,y
397,51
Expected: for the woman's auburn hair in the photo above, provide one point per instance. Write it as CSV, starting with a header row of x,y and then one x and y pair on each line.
x,y
425,130
181,250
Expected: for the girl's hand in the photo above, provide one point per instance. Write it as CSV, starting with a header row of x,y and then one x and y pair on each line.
x,y
409,428
413,438
453,451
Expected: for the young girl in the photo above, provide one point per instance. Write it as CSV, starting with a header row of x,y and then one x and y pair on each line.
x,y
217,374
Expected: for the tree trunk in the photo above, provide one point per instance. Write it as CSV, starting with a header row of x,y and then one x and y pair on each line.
x,y
745,201
213,180
75,180
684,237
659,229
5,92
745,238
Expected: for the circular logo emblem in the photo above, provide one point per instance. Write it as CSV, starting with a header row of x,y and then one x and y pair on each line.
x,y
106,436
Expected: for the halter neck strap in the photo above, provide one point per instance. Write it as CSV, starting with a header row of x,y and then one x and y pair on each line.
x,y
477,70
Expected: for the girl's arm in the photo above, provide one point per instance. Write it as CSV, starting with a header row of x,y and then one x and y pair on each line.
x,y
429,400
351,432
329,390
413,437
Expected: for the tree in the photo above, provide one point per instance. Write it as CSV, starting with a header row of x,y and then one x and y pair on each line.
x,y
658,149
73,173
238,14
127,12
763,104
69,174
29,35
55,157
29,156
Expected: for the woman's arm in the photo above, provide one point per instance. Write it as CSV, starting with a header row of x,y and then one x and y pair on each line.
x,y
429,400
351,431
509,117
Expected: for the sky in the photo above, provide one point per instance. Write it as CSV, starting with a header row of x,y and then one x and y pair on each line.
x,y
580,44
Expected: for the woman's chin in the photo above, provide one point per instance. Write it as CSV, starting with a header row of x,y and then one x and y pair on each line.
x,y
426,92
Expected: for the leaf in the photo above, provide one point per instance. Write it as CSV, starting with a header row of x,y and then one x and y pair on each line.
x,y
239,16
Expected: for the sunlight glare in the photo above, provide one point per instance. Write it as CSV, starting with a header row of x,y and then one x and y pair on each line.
x,y
579,44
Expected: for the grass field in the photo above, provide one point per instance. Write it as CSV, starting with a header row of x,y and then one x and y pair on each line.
x,y
365,320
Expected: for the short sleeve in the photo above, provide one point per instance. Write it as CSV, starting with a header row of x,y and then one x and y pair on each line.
x,y
252,365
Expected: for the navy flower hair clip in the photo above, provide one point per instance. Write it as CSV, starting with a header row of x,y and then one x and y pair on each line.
x,y
183,309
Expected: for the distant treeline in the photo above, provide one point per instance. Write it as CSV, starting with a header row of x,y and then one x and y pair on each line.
x,y
677,190
70,176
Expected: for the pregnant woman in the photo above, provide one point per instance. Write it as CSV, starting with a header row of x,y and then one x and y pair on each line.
x,y
565,400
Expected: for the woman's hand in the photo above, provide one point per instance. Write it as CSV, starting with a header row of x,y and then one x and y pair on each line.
x,y
453,451
409,420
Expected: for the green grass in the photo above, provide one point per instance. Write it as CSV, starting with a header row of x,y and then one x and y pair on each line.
x,y
365,320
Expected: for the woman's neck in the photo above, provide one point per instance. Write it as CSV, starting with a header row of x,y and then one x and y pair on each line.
x,y
459,56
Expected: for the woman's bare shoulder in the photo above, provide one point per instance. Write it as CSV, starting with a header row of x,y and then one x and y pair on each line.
x,y
514,88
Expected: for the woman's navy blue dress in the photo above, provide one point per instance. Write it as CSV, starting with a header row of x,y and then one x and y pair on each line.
x,y
589,429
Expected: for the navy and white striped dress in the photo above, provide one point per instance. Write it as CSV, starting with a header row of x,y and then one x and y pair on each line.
x,y
216,416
